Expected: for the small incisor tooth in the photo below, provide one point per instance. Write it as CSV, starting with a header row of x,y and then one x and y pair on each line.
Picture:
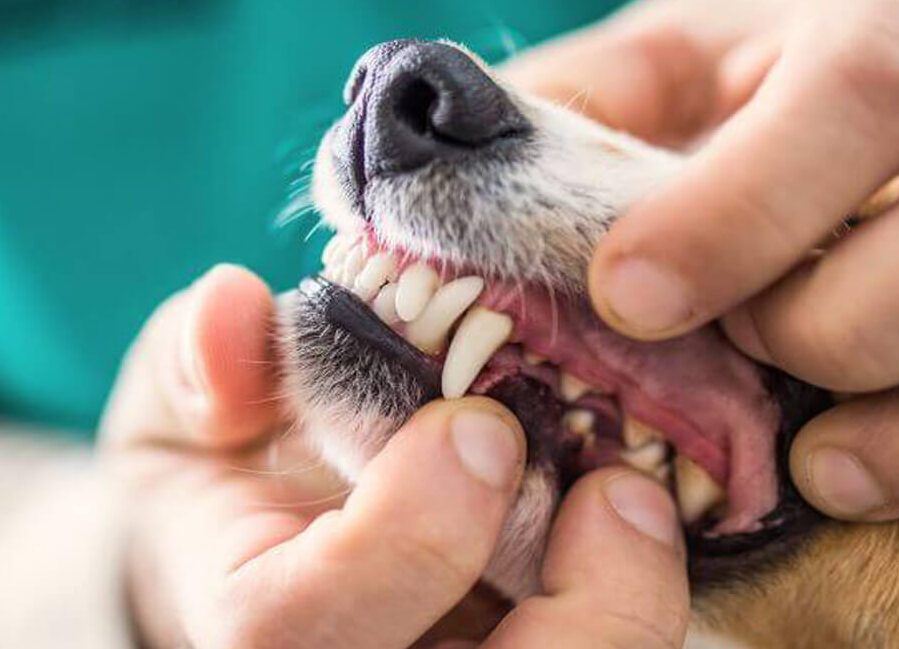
x,y
579,421
384,305
429,330
335,249
354,261
416,286
572,388
697,493
637,434
377,269
647,458
479,335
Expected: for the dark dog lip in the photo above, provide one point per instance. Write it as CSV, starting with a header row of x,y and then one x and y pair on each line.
x,y
712,560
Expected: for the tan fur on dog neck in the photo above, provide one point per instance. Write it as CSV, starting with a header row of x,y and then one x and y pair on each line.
x,y
839,590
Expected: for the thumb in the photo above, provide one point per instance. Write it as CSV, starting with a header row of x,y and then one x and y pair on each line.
x,y
615,565
200,371
410,542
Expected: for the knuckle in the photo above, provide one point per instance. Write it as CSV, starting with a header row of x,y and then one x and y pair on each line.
x,y
623,630
431,553
852,353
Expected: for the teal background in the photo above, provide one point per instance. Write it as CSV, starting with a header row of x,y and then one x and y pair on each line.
x,y
143,141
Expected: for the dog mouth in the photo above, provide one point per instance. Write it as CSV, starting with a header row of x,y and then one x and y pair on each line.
x,y
692,413
456,269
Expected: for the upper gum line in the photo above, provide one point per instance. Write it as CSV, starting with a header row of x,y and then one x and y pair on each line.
x,y
424,305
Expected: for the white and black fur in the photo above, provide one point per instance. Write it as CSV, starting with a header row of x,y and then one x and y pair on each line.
x,y
529,205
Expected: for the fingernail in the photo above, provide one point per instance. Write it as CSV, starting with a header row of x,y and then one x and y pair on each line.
x,y
843,482
645,505
645,297
487,446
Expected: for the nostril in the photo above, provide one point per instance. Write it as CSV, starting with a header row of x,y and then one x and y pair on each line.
x,y
415,105
354,84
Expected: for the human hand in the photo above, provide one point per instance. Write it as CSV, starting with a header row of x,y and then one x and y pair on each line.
x,y
817,85
226,552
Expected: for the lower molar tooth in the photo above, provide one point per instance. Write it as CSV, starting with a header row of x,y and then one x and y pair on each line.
x,y
697,493
579,421
572,388
479,335
375,273
416,286
429,330
637,434
384,305
647,458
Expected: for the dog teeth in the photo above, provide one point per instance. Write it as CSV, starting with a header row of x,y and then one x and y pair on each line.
x,y
534,359
416,286
384,305
429,330
479,335
697,493
648,458
579,421
637,434
376,271
336,248
354,262
572,388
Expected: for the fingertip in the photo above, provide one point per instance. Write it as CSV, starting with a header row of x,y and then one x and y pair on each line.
x,y
639,297
225,352
837,462
626,497
742,328
487,438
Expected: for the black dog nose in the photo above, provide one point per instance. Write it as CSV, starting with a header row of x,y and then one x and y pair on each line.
x,y
411,102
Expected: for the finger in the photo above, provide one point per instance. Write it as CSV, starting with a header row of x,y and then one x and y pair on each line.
x,y
814,142
614,573
411,541
656,82
844,461
201,370
834,322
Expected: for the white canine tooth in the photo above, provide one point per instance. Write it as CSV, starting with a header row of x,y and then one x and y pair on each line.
x,y
384,305
697,493
571,387
637,434
479,335
534,359
429,330
351,267
579,421
647,458
416,286
373,275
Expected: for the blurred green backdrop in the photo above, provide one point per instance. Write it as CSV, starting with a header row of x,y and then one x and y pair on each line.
x,y
142,141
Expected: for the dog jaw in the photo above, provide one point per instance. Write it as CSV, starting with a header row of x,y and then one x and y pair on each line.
x,y
559,194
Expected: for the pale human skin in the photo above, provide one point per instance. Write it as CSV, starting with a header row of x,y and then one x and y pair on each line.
x,y
816,84
222,556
